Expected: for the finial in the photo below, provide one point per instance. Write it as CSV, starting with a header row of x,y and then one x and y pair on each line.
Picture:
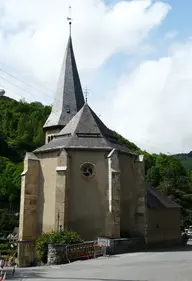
x,y
86,92
69,20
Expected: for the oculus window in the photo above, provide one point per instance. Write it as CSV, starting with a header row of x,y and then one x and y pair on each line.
x,y
87,170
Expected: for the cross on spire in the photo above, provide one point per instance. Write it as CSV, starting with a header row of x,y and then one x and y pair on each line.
x,y
86,93
69,20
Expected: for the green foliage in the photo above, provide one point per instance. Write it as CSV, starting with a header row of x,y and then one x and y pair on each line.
x,y
21,130
185,159
21,125
169,176
7,222
55,237
10,181
5,246
129,144
7,249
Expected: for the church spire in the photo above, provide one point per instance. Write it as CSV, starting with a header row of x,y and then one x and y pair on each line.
x,y
69,97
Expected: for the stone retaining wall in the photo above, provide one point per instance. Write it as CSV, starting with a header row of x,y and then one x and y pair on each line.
x,y
165,244
122,245
56,254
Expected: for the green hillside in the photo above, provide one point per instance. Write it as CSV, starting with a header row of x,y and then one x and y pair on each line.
x,y
185,159
21,130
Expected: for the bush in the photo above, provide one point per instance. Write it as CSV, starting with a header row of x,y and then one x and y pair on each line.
x,y
4,246
54,237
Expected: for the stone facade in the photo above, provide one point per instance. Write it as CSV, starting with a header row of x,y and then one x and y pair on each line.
x,y
113,214
163,226
29,187
141,190
28,210
66,200
50,134
62,192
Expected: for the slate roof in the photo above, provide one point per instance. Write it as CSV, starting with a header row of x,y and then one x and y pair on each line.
x,y
155,200
85,131
69,97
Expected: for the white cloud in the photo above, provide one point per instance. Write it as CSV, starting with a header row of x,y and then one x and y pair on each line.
x,y
152,105
33,34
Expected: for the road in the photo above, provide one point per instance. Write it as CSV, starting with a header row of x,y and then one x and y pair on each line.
x,y
149,266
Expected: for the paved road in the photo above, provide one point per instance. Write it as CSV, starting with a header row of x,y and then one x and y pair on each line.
x,y
150,266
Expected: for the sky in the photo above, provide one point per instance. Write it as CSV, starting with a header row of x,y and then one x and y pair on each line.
x,y
135,58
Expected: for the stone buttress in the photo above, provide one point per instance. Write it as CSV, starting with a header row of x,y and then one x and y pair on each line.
x,y
28,207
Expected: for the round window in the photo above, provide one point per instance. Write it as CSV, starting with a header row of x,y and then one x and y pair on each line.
x,y
87,170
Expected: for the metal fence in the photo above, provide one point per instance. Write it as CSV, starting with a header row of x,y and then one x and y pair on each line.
x,y
87,250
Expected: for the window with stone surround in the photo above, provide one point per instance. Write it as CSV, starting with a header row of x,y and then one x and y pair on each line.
x,y
87,170
50,138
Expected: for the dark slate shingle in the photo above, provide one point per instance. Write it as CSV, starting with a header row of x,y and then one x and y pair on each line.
x,y
69,97
156,200
85,131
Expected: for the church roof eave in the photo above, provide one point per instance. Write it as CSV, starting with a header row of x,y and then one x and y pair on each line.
x,y
44,150
86,131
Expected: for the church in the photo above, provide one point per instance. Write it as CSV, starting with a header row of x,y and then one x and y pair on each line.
x,y
84,180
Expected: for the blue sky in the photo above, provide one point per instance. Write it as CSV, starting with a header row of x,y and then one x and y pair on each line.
x,y
178,24
179,18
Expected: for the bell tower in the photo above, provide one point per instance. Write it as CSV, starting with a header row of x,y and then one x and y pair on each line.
x,y
69,98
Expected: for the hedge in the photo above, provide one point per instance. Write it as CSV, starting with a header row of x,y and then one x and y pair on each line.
x,y
54,237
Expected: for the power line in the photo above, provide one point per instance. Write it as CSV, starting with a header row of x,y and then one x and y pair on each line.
x,y
25,90
17,86
11,91
20,73
4,71
22,97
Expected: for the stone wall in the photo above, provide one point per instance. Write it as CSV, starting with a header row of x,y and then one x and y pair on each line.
x,y
141,204
161,230
166,244
28,210
56,254
26,253
61,193
28,203
122,245
87,204
112,224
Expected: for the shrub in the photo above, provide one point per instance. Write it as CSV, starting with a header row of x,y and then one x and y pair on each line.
x,y
54,237
4,246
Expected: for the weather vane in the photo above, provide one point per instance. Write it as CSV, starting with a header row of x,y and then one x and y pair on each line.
x,y
86,92
69,18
